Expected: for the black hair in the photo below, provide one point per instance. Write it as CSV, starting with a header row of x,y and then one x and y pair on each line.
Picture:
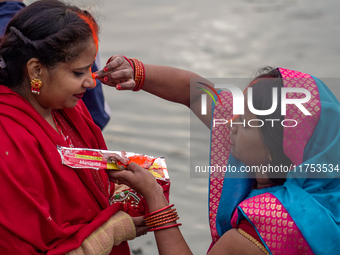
x,y
50,31
268,78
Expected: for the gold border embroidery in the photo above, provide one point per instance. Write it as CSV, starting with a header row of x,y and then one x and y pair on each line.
x,y
253,240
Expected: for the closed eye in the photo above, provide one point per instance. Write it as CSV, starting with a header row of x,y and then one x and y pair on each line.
x,y
78,74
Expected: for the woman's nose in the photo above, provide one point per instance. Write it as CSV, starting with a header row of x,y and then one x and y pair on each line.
x,y
89,82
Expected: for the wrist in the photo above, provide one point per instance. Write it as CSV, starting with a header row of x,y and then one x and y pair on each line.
x,y
162,218
156,199
139,73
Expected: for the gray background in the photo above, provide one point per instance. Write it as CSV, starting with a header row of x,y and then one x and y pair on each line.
x,y
217,39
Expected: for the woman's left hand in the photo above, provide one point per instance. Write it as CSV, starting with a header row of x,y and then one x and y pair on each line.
x,y
137,178
141,228
117,73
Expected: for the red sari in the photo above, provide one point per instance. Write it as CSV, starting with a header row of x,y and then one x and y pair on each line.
x,y
46,207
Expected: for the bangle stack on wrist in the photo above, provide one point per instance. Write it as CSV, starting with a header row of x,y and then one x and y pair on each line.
x,y
139,73
162,217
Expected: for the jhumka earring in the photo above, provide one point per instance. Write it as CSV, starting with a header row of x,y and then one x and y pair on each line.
x,y
36,84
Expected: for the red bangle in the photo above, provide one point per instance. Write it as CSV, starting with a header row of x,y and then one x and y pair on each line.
x,y
164,222
148,215
158,216
133,67
139,74
165,227
165,218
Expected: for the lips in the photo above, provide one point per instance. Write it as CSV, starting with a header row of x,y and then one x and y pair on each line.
x,y
79,96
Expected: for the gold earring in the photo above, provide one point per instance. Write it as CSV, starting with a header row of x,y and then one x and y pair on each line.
x,y
36,84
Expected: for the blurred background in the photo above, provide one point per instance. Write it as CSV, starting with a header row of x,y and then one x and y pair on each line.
x,y
216,39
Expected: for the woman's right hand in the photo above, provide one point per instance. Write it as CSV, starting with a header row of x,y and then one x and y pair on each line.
x,y
141,228
137,178
117,73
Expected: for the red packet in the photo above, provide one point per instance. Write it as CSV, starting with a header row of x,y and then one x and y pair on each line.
x,y
115,160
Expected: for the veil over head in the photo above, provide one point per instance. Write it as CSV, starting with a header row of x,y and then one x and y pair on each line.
x,y
288,218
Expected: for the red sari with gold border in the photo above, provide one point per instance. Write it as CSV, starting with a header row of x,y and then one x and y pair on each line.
x,y
46,207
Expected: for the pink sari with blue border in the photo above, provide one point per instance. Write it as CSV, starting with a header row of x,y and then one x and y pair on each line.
x,y
303,215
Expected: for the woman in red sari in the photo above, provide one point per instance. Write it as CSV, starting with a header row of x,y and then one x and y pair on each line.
x,y
46,207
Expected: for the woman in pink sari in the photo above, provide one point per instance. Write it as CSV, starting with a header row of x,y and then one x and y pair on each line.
x,y
295,210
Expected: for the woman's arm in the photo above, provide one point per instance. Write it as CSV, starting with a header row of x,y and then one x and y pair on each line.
x,y
179,86
144,182
166,82
170,241
117,229
232,242
169,83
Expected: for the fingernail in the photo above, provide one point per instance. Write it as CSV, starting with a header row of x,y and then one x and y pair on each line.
x,y
118,87
94,75
106,79
106,69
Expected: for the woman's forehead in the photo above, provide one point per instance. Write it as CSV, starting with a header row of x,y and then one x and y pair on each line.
x,y
87,56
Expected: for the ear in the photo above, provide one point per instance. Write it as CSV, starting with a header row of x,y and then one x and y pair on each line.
x,y
34,68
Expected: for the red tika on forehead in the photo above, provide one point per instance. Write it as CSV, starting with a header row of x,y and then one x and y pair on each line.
x,y
92,26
